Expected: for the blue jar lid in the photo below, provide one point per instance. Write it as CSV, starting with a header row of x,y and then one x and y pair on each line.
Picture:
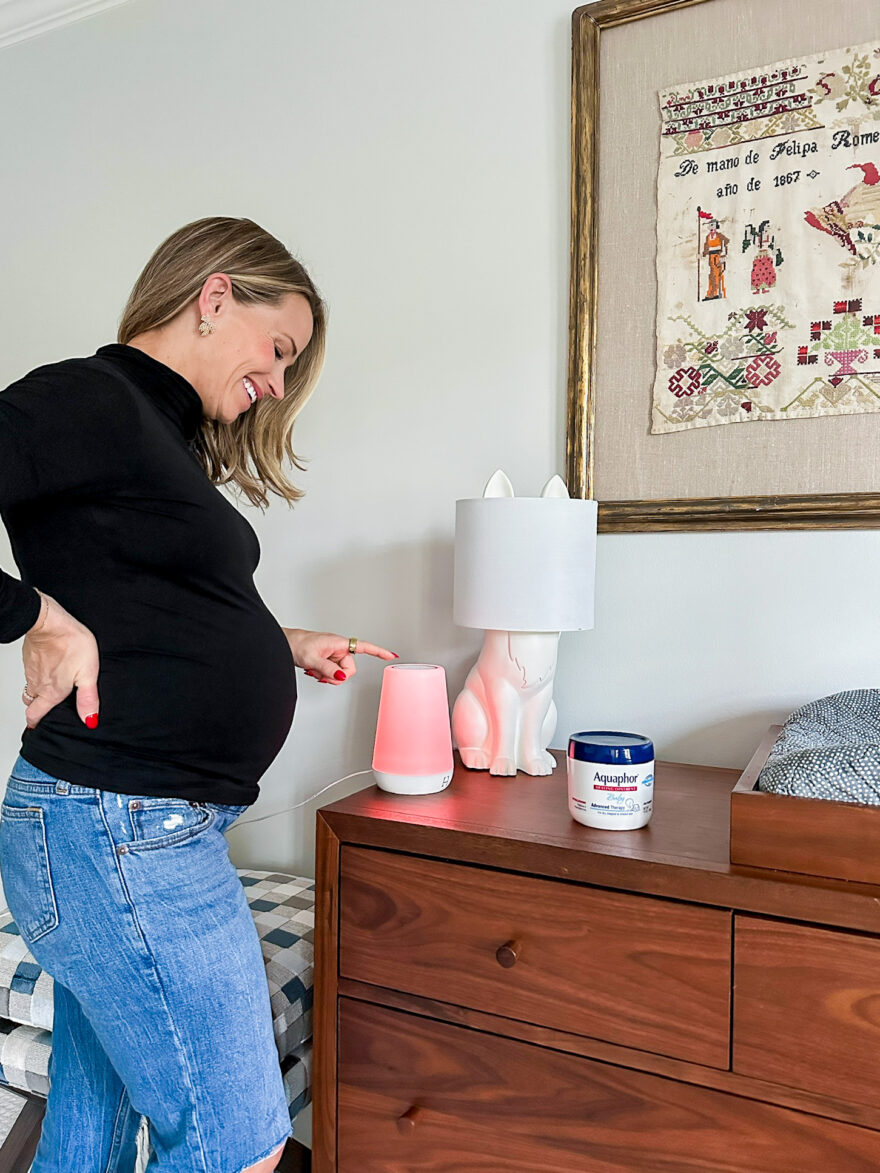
x,y
612,749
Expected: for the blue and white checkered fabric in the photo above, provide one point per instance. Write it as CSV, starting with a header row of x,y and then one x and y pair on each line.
x,y
283,908
24,1057
829,748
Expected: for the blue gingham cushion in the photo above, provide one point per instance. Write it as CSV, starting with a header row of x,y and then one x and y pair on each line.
x,y
283,907
296,1070
24,1064
829,748
25,987
24,1057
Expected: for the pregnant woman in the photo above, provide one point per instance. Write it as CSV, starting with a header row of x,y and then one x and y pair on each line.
x,y
159,688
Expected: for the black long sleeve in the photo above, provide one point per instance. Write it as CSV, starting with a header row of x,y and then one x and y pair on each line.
x,y
61,431
19,608
108,510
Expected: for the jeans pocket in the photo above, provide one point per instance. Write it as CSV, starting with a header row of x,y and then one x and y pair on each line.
x,y
26,872
163,822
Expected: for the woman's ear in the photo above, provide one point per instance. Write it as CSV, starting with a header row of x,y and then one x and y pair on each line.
x,y
216,291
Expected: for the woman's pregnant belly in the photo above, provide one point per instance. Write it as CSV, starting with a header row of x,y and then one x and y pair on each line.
x,y
214,693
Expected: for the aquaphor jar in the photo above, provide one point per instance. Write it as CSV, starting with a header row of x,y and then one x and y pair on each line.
x,y
610,779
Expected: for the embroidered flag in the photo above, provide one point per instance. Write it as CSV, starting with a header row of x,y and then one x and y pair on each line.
x,y
768,243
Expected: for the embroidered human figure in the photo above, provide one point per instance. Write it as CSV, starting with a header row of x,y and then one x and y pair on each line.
x,y
715,248
767,259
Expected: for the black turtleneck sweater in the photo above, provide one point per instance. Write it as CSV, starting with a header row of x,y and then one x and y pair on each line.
x,y
108,511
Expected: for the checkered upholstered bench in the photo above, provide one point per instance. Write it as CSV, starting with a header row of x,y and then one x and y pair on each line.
x,y
283,907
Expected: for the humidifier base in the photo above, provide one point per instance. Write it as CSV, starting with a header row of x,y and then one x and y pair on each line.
x,y
412,783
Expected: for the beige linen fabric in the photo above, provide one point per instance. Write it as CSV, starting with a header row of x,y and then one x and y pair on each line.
x,y
768,243
838,454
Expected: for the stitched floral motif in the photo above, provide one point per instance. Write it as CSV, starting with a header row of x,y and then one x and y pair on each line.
x,y
855,80
845,345
717,377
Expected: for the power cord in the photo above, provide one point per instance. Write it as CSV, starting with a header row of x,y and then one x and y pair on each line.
x,y
305,802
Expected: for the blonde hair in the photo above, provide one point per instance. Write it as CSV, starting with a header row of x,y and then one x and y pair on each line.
x,y
249,451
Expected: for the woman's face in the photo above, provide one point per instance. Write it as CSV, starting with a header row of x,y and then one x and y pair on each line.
x,y
251,345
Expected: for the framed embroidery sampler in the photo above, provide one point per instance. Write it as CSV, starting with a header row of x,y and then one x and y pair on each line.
x,y
724,353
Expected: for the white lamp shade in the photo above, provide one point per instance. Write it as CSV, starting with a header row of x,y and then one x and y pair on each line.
x,y
525,563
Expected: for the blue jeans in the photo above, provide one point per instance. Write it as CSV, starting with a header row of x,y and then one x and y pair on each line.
x,y
162,1008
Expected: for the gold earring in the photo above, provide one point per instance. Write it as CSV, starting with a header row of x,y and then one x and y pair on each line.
x,y
206,326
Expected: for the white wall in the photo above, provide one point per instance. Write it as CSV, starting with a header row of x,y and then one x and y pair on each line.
x,y
416,157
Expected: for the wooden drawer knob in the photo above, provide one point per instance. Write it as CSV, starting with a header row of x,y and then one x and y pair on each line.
x,y
507,954
407,1122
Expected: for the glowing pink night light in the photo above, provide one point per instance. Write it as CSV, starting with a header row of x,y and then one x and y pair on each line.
x,y
413,748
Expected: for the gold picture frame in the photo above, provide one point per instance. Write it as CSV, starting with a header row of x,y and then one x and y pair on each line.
x,y
781,510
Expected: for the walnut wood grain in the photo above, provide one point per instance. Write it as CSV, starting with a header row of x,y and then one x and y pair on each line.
x,y
523,824
518,830
645,973
833,1106
815,836
490,1104
807,1008
324,1106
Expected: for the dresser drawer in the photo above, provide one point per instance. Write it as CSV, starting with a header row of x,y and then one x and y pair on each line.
x,y
807,1008
417,1094
633,970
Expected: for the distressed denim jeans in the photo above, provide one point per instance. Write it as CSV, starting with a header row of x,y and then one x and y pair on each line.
x,y
162,1009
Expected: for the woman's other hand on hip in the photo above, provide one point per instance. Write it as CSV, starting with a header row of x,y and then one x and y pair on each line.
x,y
60,656
325,656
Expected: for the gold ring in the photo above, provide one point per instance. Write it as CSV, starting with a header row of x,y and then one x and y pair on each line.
x,y
352,644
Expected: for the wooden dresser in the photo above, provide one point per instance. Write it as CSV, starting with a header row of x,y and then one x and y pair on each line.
x,y
500,988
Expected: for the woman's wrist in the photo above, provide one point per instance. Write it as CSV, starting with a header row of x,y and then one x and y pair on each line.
x,y
44,613
293,636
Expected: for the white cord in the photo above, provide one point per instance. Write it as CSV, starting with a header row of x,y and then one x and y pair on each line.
x,y
305,802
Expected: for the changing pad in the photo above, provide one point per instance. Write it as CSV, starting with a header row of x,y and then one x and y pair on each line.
x,y
829,748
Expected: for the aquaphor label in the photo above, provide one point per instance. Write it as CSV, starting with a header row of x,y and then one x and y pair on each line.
x,y
613,797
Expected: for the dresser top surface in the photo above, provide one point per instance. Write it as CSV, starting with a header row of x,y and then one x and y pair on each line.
x,y
690,821
522,823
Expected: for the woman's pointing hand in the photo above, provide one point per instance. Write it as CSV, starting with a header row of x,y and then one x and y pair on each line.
x,y
325,656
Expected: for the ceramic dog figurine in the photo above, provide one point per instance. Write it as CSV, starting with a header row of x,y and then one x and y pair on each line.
x,y
504,718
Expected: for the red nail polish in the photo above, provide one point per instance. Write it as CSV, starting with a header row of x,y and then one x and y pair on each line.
x,y
395,655
340,675
92,721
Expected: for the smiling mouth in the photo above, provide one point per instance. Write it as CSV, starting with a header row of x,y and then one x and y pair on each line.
x,y
251,389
